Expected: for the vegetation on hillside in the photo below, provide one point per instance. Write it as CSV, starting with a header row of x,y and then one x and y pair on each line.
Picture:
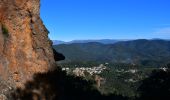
x,y
153,53
5,31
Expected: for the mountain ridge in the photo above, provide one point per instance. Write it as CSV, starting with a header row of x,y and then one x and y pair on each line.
x,y
143,52
103,41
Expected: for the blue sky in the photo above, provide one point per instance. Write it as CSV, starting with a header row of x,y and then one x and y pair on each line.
x,y
106,19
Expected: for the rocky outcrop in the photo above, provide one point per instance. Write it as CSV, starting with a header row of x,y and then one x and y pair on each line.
x,y
24,45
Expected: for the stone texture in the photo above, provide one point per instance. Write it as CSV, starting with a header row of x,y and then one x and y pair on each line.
x,y
24,45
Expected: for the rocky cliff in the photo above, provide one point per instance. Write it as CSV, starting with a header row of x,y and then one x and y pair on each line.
x,y
24,45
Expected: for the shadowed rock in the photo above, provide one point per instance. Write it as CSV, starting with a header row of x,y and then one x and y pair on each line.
x,y
57,85
58,56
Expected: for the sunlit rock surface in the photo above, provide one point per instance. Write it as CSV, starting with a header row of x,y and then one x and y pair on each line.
x,y
24,45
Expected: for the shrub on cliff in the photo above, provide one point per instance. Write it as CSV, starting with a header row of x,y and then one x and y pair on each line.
x,y
5,31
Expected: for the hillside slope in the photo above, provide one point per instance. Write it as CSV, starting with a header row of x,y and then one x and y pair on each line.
x,y
143,52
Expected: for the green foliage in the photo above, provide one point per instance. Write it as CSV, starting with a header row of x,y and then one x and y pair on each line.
x,y
5,31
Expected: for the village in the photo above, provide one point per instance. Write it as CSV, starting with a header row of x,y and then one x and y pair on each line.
x,y
80,71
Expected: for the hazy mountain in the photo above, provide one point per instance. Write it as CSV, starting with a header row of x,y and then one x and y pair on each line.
x,y
56,42
103,41
144,52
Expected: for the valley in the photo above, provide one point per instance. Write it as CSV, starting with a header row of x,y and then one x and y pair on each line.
x,y
117,68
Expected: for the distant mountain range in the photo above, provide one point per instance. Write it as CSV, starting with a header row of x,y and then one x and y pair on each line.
x,y
57,42
103,41
143,52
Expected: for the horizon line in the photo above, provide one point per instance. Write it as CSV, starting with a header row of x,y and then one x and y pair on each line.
x,y
110,39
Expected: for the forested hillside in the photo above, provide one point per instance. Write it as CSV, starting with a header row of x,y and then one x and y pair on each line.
x,y
140,52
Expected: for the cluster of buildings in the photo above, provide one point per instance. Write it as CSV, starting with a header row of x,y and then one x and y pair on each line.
x,y
164,69
133,71
82,70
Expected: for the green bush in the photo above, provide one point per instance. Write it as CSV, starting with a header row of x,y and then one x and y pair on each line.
x,y
5,31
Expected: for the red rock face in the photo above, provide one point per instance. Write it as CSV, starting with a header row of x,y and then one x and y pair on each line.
x,y
24,45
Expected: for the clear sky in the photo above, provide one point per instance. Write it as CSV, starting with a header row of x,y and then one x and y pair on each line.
x,y
106,19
